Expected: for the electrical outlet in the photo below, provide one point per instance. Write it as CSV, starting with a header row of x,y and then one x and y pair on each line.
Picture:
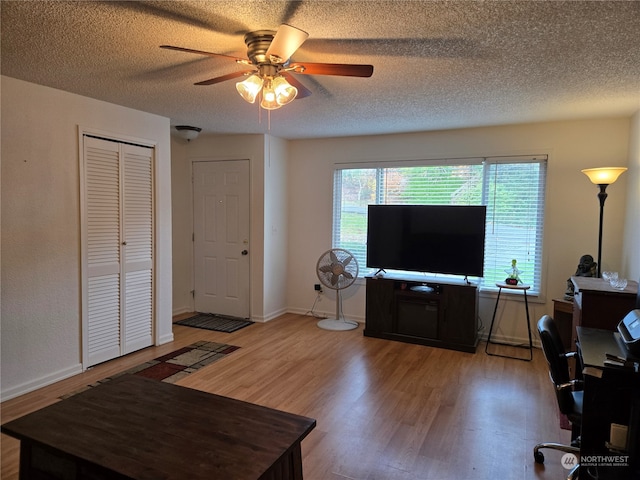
x,y
317,287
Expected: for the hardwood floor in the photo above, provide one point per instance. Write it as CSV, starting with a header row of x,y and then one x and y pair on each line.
x,y
385,410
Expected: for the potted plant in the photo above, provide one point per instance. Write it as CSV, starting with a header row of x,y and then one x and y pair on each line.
x,y
514,274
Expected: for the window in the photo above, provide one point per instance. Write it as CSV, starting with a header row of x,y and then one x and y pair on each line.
x,y
512,188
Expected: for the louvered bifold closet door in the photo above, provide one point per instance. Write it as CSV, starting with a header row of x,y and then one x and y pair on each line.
x,y
138,235
118,249
103,251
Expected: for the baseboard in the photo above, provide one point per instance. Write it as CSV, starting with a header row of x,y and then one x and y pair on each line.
x,y
269,317
515,341
40,382
165,339
323,314
182,310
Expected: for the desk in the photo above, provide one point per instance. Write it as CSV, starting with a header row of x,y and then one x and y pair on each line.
x,y
136,428
598,305
524,289
563,315
611,395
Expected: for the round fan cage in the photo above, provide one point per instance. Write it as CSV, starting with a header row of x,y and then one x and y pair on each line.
x,y
337,269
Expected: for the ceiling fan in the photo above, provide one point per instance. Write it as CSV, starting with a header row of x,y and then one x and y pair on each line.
x,y
269,54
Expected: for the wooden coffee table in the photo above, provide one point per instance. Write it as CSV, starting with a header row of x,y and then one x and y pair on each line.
x,y
136,428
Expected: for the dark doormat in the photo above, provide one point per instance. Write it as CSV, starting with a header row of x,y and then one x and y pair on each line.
x,y
219,323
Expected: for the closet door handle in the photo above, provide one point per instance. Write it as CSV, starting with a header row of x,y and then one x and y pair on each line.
x,y
124,243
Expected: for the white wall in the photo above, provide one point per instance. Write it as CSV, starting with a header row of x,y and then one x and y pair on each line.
x,y
631,250
182,229
571,217
268,230
41,323
276,227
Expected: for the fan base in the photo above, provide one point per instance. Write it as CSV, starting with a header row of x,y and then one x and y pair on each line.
x,y
334,324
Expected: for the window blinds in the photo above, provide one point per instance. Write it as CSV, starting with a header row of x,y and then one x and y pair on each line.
x,y
512,188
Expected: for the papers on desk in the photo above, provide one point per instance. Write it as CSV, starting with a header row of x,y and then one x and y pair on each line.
x,y
611,361
619,362
592,372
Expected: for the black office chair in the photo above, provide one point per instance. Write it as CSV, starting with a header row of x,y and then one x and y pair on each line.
x,y
568,391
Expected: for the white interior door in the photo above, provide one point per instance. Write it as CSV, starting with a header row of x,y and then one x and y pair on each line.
x,y
117,246
221,237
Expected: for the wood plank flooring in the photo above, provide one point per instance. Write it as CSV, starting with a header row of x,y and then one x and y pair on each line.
x,y
385,410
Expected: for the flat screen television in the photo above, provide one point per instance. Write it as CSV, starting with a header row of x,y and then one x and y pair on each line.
x,y
427,238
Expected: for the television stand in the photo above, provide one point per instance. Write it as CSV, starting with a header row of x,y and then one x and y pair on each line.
x,y
438,313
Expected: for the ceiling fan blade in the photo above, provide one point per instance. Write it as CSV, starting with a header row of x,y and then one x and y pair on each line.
x,y
438,47
340,69
302,90
286,41
209,54
224,78
191,15
290,10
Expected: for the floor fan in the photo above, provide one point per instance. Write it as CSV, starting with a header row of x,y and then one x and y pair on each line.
x,y
337,269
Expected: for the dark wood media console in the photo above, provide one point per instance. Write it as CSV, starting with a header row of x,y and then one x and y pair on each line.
x,y
434,313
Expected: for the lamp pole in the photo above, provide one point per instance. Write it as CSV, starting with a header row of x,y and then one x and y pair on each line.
x,y
602,177
602,196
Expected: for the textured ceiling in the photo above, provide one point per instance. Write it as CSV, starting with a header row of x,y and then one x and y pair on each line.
x,y
438,65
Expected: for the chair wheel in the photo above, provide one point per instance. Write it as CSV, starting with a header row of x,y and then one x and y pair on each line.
x,y
538,457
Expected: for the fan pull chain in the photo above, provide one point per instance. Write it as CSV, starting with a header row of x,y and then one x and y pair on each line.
x,y
260,117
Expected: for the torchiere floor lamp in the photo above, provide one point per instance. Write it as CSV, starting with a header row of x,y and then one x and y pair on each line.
x,y
602,177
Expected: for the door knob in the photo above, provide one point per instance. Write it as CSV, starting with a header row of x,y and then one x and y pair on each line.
x,y
244,252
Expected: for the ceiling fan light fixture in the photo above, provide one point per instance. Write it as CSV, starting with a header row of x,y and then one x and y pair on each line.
x,y
284,91
250,88
269,100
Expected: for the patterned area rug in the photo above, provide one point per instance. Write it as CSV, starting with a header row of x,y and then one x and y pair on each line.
x,y
212,321
175,365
